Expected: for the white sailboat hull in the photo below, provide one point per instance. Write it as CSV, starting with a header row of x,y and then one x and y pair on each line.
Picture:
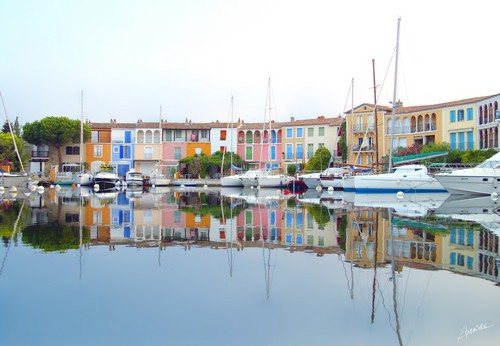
x,y
11,180
276,180
231,181
410,178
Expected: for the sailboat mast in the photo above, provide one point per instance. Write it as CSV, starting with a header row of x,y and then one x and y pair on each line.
x,y
394,99
81,134
375,114
12,134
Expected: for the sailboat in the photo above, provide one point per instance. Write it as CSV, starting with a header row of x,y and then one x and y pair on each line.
x,y
82,178
267,178
234,179
8,179
407,178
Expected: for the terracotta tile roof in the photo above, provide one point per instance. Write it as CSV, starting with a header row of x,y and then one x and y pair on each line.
x,y
321,120
437,106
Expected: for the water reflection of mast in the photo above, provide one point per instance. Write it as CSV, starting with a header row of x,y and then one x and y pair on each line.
x,y
12,237
267,263
393,279
375,259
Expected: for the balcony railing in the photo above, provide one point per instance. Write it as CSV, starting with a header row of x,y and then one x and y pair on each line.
x,y
40,154
357,128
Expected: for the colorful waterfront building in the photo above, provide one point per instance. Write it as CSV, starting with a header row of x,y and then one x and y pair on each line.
x,y
301,138
259,144
364,134
98,150
122,147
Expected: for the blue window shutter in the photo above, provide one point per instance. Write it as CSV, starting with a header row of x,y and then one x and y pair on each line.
x,y
453,140
453,258
470,140
461,141
453,116
128,137
470,115
121,151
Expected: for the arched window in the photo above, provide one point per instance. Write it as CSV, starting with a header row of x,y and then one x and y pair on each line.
x,y
241,137
480,115
389,126
256,137
249,137
420,124
427,123
433,122
397,126
157,136
406,125
140,136
490,113
149,136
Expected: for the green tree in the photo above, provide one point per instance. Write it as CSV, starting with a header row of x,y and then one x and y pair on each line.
x,y
320,160
343,142
7,151
55,131
195,167
291,169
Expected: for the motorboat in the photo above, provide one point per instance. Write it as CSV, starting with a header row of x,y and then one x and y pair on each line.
x,y
332,177
483,179
107,177
134,178
310,179
404,179
83,179
8,180
159,177
231,181
270,180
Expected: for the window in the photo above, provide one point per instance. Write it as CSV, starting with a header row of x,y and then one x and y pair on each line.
x,y
310,240
299,221
127,151
461,141
300,152
310,131
288,219
223,134
300,132
453,140
204,134
321,131
470,140
157,136
168,135
178,134
310,220
98,150
222,149
248,217
460,115
72,150
470,115
453,116
116,150
289,133
273,152
97,217
140,136
248,153
310,151
289,151
177,216
177,153
299,239
148,153
95,137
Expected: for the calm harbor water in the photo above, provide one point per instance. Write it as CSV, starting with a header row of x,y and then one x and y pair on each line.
x,y
247,267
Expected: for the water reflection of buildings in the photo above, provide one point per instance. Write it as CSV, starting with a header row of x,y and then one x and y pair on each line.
x,y
429,243
205,218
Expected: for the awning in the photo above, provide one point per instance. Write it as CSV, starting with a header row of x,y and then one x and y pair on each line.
x,y
398,160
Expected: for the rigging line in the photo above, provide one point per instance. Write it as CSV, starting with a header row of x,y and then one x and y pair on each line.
x,y
12,237
12,133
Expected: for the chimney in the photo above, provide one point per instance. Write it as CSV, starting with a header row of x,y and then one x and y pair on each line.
x,y
399,104
292,119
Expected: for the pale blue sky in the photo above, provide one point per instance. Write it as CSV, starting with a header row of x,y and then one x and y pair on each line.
x,y
189,56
